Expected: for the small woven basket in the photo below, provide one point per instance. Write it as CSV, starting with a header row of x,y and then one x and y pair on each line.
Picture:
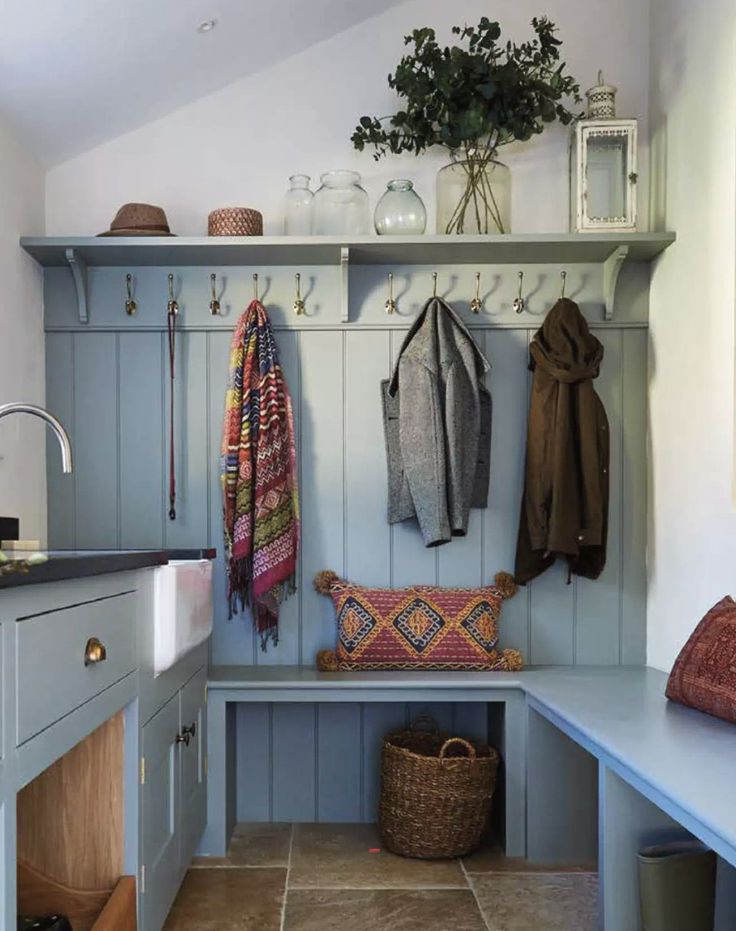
x,y
235,221
436,793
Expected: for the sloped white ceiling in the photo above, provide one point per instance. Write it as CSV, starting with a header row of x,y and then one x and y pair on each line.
x,y
78,72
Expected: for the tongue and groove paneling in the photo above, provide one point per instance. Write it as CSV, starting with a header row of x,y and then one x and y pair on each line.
x,y
108,382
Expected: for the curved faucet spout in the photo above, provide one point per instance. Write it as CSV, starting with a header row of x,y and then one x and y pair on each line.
x,y
18,407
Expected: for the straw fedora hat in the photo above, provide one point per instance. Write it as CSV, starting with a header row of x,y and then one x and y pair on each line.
x,y
139,220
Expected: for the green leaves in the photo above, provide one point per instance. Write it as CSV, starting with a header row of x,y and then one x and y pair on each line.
x,y
478,94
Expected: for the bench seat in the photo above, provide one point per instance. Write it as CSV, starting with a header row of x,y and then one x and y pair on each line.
x,y
681,760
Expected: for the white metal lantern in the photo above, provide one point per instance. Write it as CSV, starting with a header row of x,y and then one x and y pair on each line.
x,y
603,170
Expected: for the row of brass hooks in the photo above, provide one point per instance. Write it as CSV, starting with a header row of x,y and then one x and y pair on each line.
x,y
476,304
172,306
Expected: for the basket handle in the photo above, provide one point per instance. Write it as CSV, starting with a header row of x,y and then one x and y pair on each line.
x,y
425,723
463,743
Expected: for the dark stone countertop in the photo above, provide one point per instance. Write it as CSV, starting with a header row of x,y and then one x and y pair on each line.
x,y
61,565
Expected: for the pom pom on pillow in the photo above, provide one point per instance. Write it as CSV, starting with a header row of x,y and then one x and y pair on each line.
x,y
327,661
324,581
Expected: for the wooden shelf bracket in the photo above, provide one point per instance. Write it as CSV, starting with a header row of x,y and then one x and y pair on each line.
x,y
344,284
79,272
611,270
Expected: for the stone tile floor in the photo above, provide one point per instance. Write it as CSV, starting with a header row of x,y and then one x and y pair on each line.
x,y
335,877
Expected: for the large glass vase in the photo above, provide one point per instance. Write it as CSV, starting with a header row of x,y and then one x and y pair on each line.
x,y
474,196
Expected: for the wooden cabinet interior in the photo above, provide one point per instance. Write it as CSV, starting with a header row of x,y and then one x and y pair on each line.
x,y
71,836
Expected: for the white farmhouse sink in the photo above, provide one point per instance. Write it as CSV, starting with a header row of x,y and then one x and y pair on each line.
x,y
182,610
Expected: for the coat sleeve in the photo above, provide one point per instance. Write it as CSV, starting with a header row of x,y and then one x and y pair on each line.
x,y
541,456
462,429
423,449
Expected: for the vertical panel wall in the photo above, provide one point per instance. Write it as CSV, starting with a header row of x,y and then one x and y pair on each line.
x,y
108,381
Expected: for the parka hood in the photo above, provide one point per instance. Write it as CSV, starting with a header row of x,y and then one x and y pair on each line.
x,y
564,347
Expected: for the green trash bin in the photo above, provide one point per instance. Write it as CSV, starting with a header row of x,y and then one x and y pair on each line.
x,y
677,887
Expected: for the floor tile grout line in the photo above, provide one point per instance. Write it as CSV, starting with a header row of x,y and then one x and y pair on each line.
x,y
469,875
471,886
238,866
415,887
288,876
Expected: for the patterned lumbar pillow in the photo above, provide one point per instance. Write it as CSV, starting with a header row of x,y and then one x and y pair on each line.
x,y
422,627
704,674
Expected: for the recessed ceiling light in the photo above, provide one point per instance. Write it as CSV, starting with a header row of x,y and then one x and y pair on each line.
x,y
207,26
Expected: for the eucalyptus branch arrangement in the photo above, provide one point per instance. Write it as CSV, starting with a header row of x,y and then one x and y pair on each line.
x,y
473,99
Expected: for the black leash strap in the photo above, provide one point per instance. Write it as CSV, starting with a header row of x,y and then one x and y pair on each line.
x,y
171,314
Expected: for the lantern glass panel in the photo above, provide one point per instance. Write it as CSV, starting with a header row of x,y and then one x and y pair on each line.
x,y
607,174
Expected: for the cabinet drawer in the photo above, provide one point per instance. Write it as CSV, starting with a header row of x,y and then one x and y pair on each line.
x,y
53,676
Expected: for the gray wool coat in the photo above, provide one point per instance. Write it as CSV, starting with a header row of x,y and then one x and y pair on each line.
x,y
437,420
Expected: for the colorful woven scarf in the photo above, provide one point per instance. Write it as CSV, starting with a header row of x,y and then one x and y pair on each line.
x,y
258,476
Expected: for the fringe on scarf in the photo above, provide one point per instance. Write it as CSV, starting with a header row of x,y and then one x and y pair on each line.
x,y
240,598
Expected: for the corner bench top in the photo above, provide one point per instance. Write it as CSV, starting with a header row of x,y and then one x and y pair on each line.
x,y
682,760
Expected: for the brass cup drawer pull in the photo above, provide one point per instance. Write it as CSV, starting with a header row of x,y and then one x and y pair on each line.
x,y
94,652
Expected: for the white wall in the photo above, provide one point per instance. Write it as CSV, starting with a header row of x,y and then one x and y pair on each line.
x,y
239,145
22,461
692,538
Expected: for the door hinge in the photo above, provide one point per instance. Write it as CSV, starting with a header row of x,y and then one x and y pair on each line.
x,y
143,771
206,764
206,689
143,880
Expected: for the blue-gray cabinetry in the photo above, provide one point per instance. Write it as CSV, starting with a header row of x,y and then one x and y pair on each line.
x,y
173,797
54,696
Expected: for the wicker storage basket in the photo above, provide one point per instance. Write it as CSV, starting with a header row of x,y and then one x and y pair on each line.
x,y
235,221
435,793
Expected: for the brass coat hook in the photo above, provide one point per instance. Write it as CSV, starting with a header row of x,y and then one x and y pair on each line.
x,y
390,303
476,304
299,306
519,302
172,307
255,285
131,308
434,284
563,279
214,303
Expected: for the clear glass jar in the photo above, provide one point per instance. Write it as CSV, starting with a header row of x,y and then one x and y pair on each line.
x,y
341,206
400,211
474,196
298,207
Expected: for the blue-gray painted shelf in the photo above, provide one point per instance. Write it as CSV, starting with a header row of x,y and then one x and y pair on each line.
x,y
525,248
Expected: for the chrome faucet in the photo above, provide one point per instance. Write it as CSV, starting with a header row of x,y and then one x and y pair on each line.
x,y
18,407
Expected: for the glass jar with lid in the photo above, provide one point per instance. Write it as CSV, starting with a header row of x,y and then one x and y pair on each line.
x,y
341,206
298,207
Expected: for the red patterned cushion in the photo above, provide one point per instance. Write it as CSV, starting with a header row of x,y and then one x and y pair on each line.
x,y
704,674
422,627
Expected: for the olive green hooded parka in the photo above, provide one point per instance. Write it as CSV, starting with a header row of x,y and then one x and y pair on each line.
x,y
564,509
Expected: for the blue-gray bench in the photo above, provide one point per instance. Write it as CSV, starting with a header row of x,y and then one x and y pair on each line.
x,y
596,762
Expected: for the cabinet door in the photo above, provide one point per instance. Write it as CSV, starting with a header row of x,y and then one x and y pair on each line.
x,y
193,766
160,815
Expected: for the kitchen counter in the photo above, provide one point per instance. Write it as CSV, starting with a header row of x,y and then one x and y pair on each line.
x,y
78,661
61,565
